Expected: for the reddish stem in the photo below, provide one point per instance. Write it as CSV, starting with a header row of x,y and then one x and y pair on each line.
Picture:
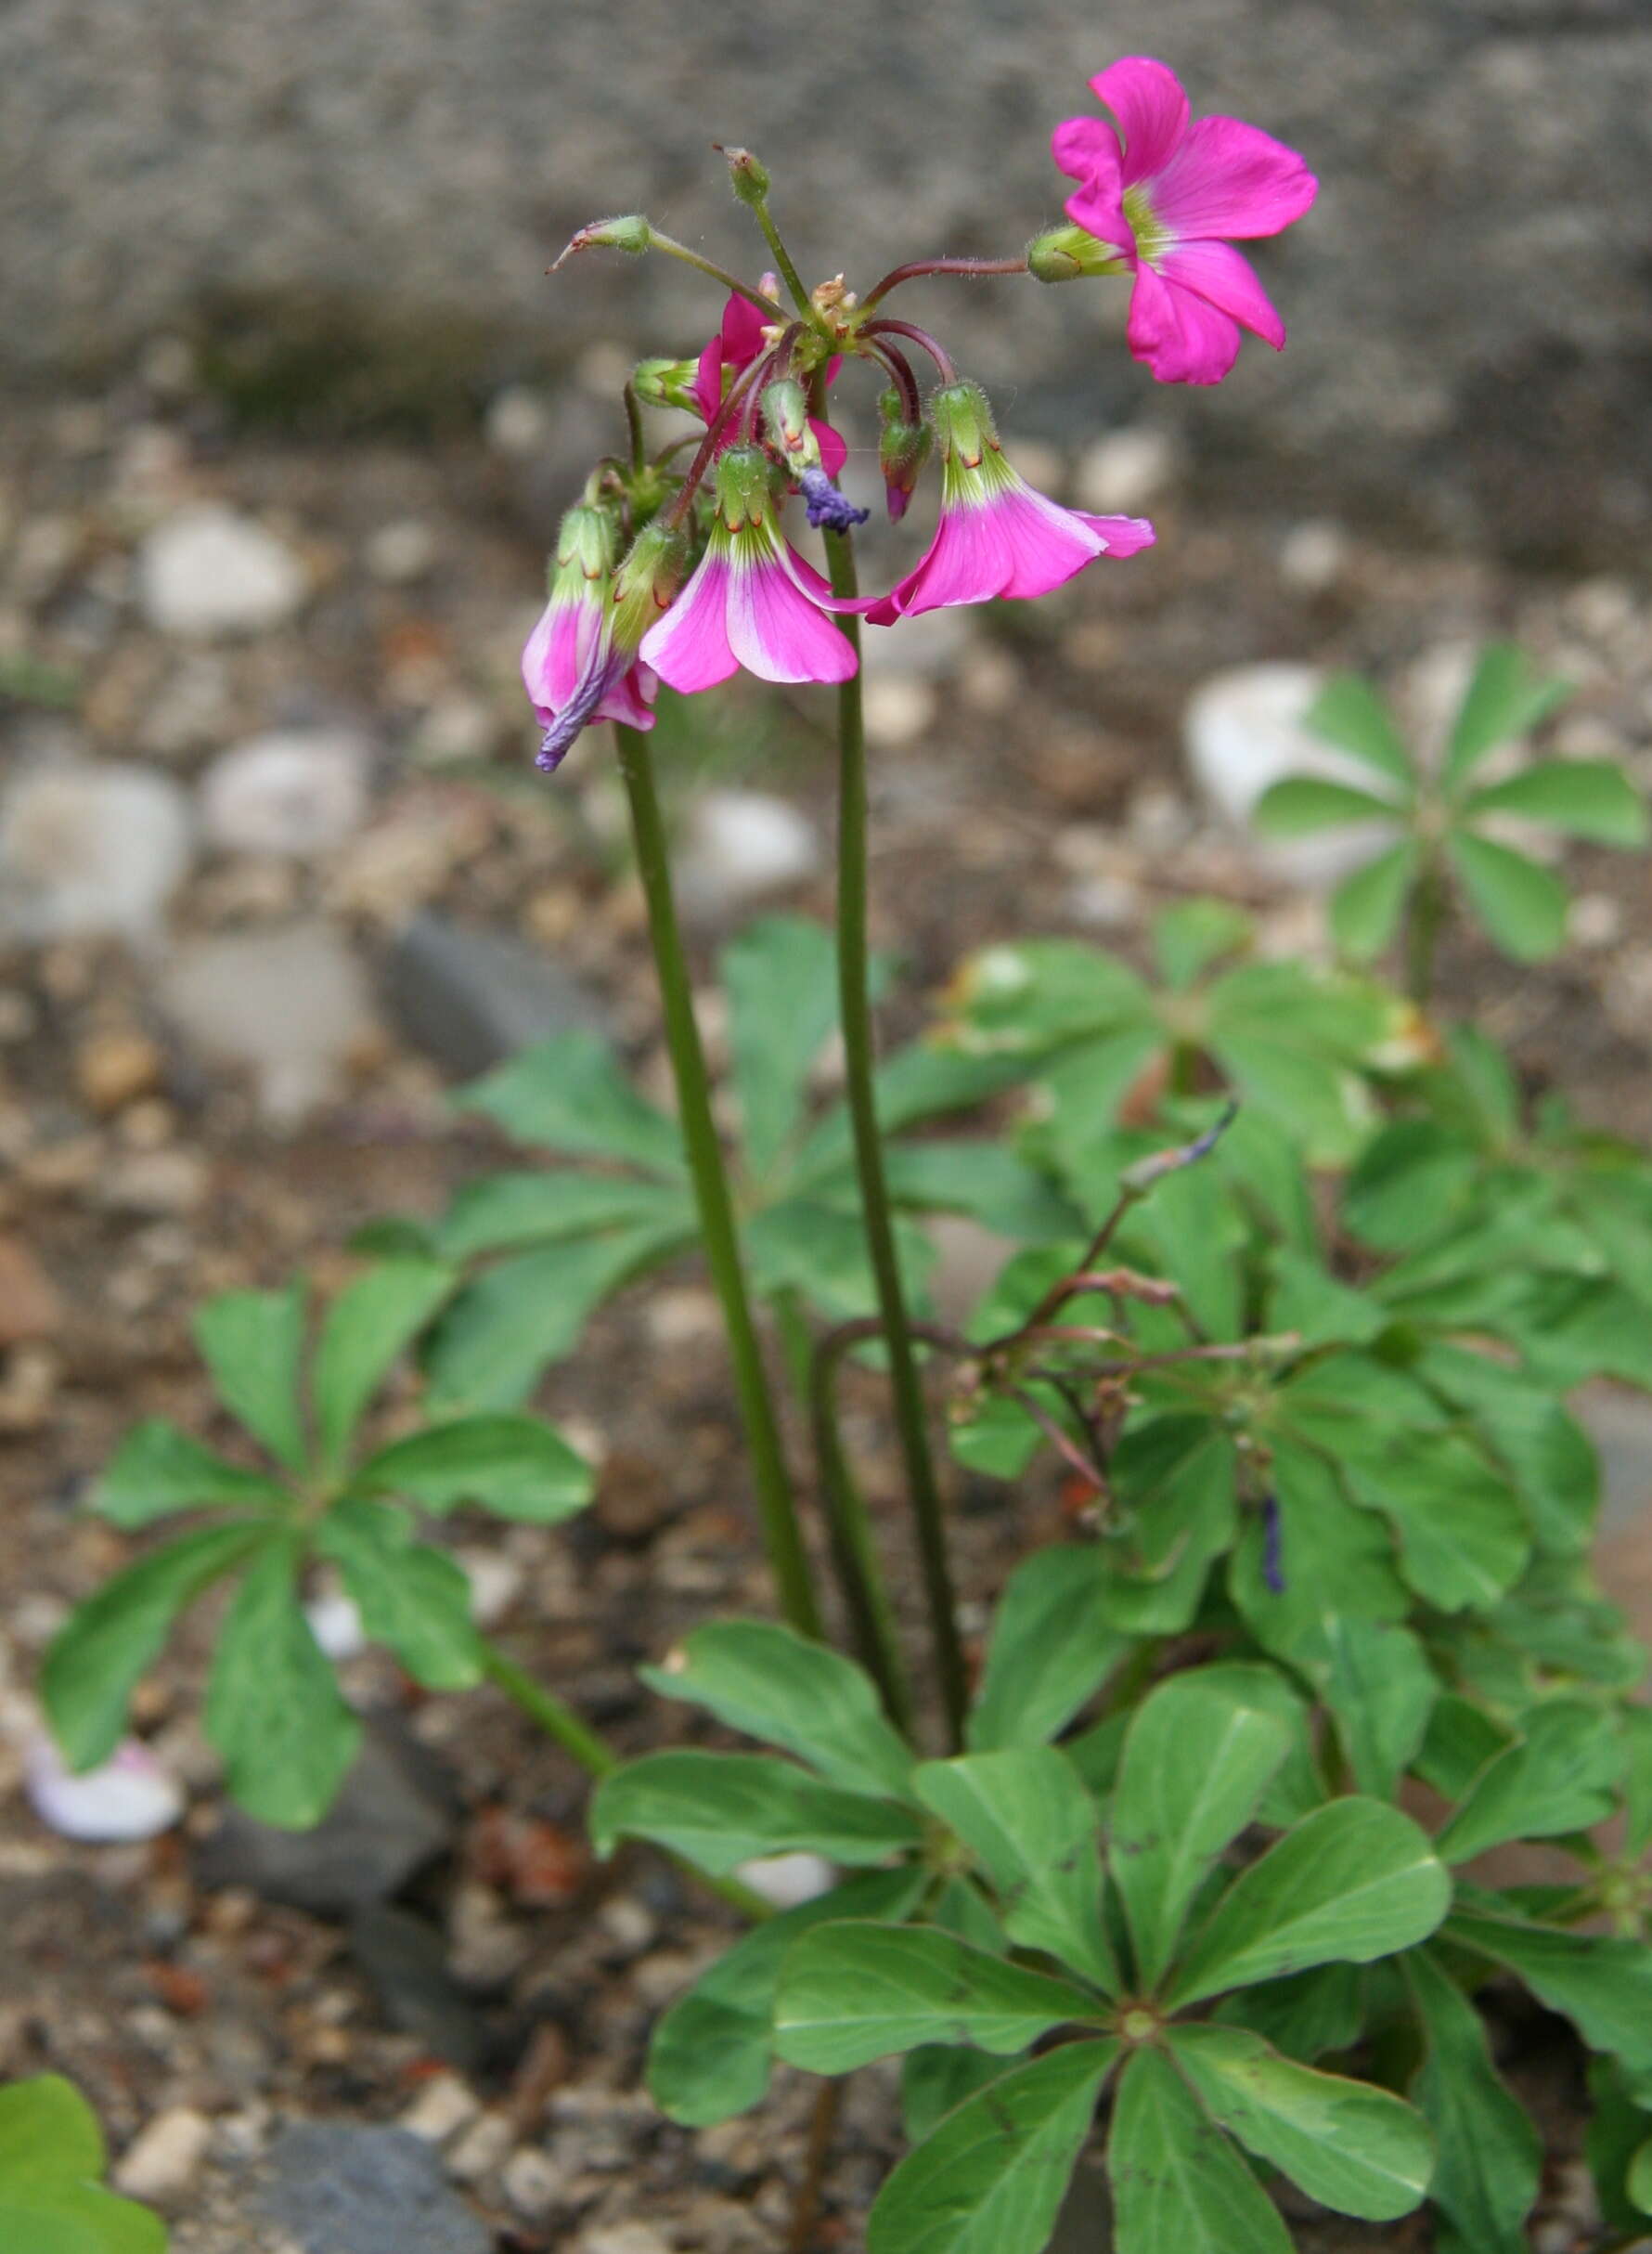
x,y
979,269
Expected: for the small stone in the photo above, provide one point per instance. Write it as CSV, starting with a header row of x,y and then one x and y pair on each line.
x,y
456,730
624,2238
519,422
496,1581
289,1003
30,1305
405,1959
128,1797
161,2164
29,1388
401,552
788,1880
1595,919
87,849
112,1070
1105,903
1312,557
443,2107
297,792
209,572
741,845
468,999
532,2182
682,1316
899,708
481,2149
336,2188
155,1182
1126,472
629,1923
990,681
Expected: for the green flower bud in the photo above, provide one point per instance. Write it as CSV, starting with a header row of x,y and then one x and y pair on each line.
x,y
666,384
785,418
748,175
1066,253
632,234
646,581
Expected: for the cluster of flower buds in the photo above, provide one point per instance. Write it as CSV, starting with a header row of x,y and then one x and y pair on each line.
x,y
683,574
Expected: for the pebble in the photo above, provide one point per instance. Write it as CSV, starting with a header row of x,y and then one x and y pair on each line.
x,y
29,1388
740,845
129,1796
30,1305
443,2107
532,2182
787,1880
164,2161
1595,920
497,1581
468,999
113,1069
89,850
519,422
899,708
483,2148
624,2238
401,552
1313,557
1127,471
209,572
337,2188
155,1182
289,1003
295,792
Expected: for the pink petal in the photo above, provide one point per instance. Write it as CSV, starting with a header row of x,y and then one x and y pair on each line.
x,y
631,699
129,1796
1019,544
774,630
550,659
1177,334
689,648
1225,279
1084,145
1230,178
708,378
1124,535
1146,99
834,452
742,331
1089,150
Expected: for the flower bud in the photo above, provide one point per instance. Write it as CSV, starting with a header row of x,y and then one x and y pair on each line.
x,y
646,581
785,419
632,234
748,175
584,549
1066,253
666,384
963,423
744,488
903,449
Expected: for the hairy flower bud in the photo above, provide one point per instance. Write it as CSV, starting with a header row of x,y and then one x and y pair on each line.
x,y
903,449
748,175
1068,253
647,577
631,233
786,424
666,384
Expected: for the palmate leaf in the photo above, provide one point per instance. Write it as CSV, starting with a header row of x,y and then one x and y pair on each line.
x,y
412,1598
51,2158
983,1180
1520,905
1173,1481
850,1993
511,1211
936,2077
818,1249
1560,1775
272,1707
757,1677
571,1094
1324,1544
1504,700
1541,1447
371,1322
781,978
250,1342
1348,712
724,1808
710,2055
1365,908
1490,2153
1375,1680
1359,2150
1027,1817
991,2177
1304,2014
1587,799
1301,804
921,1081
1196,1761
158,1470
1040,994
513,1466
1603,1986
1462,1532
1049,1653
1176,2184
1188,937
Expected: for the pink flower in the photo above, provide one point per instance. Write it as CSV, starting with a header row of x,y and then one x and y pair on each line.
x,y
743,335
752,600
1163,205
996,536
571,670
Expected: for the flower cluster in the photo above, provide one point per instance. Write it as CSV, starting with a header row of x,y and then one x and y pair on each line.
x,y
685,575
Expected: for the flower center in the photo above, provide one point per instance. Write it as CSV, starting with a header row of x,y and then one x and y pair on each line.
x,y
1152,235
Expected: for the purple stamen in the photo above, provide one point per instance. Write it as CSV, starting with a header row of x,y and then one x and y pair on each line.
x,y
1273,1546
599,674
825,505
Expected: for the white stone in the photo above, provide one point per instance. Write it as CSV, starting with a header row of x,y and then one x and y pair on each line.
x,y
496,1583
1243,731
161,2163
129,1796
741,844
1313,556
532,2182
1127,471
335,1622
89,849
482,2148
401,552
519,422
1595,920
899,708
289,1003
207,571
787,1880
624,2238
442,2109
298,792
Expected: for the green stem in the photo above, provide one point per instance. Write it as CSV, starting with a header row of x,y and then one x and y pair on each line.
x,y
562,1723
1422,931
633,424
674,248
783,262
779,1513
856,1006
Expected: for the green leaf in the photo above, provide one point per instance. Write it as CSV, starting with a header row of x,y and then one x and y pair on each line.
x,y
781,977
1027,1817
1037,995
51,2158
495,1339
513,1466
371,1322
1589,799
818,1249
723,1808
1603,1986
1048,1653
772,1683
1462,1536
1411,1178
1491,2155
571,1094
1173,1482
1354,1881
1560,1775
921,1081
251,1342
1359,2150
991,2178
1188,937
1377,1683
850,1993
710,2055
507,1213
1365,908
157,1470
1617,2129
1637,1779
1303,803
1504,700
1638,2182
983,1180
1196,1763
936,2077
1543,1450
1324,1544
1521,905
1178,2184
273,1708
107,1644
1307,1298
411,1598
1304,2015
1348,712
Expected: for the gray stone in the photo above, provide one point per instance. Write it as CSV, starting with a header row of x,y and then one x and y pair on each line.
x,y
741,845
393,1815
470,999
86,849
208,573
296,791
288,1004
406,1962
337,2189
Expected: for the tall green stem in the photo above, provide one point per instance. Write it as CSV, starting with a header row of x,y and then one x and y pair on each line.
x,y
855,1003
775,1503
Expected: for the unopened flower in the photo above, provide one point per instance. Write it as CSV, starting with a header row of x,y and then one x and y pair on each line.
x,y
752,601
743,337
903,449
570,667
996,536
1165,204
